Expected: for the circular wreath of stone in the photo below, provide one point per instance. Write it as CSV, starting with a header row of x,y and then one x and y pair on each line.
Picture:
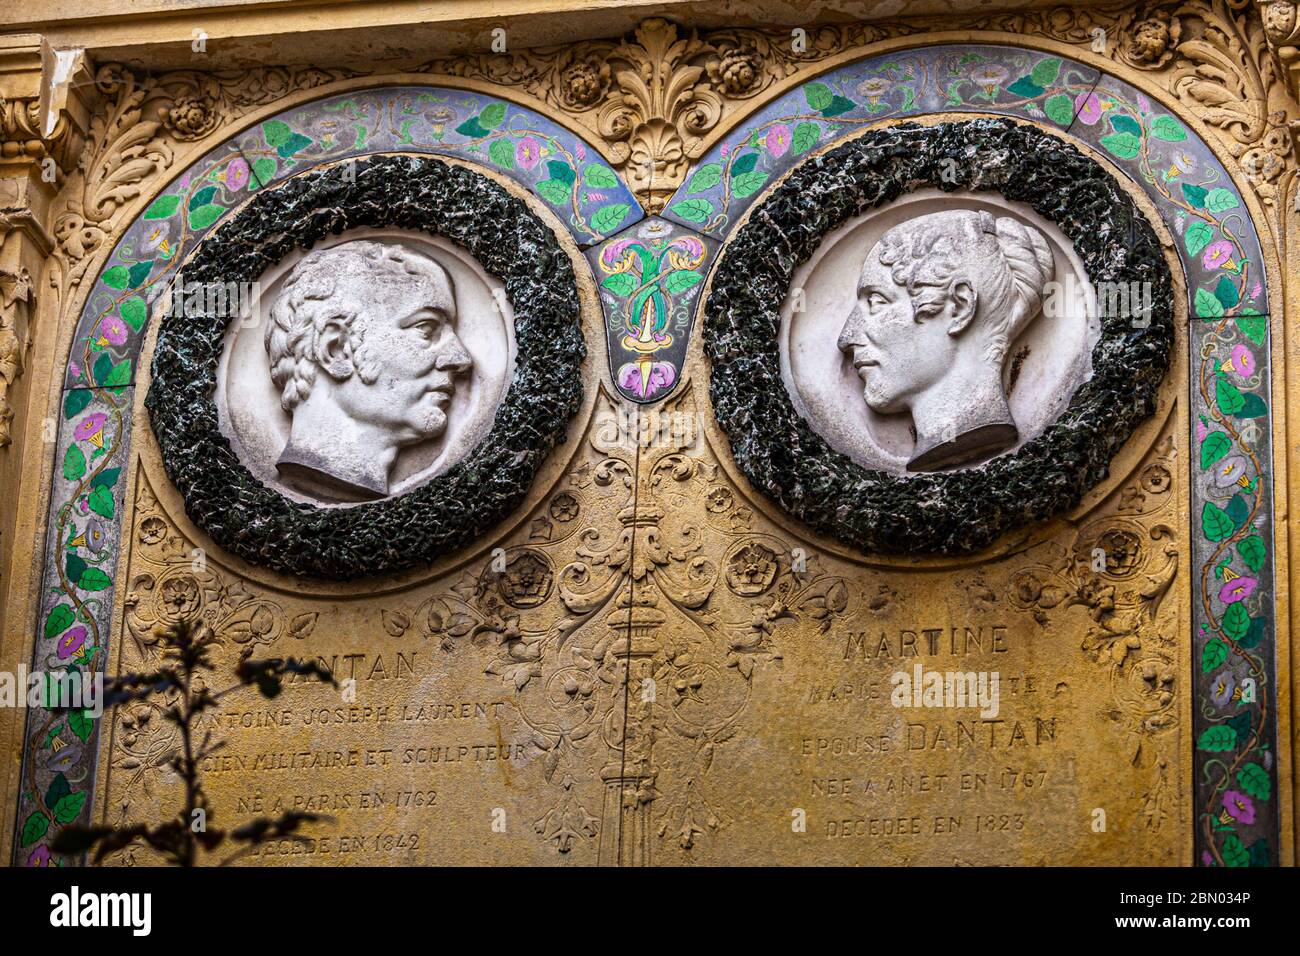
x,y
945,513
508,240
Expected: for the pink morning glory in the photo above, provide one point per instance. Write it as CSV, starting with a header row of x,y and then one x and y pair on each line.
x,y
778,140
1218,254
236,174
90,426
113,329
1238,589
71,642
1088,106
1239,806
528,152
1242,361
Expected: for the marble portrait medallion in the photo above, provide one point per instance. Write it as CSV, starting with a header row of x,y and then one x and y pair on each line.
x,y
937,332
372,362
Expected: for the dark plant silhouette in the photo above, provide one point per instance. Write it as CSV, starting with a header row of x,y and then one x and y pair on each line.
x,y
180,840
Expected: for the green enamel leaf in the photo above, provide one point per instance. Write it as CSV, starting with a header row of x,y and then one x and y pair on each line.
x,y
1197,237
601,177
1168,129
1059,109
693,210
681,280
1123,145
1252,551
744,164
116,277
81,723
748,184
1123,123
134,312
59,620
1234,854
621,284
1228,397
264,169
1238,510
202,197
205,216
139,272
58,789
1215,522
1207,306
1253,408
1254,327
1226,292
164,207
1236,621
1215,653
294,144
562,172
493,116
502,152
1195,195
119,375
74,463
554,192
1046,71
471,129
101,501
95,580
276,133
103,365
1220,200
705,178
607,218
74,567
34,827
1253,780
838,106
818,96
67,809
75,402
106,478
805,137
1215,446
1217,739
1026,87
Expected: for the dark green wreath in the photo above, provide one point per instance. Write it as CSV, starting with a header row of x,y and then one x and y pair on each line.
x,y
264,527
953,512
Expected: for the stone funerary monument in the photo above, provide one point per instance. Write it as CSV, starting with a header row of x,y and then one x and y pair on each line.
x,y
684,436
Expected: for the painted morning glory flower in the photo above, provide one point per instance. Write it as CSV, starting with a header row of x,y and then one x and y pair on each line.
x,y
1242,361
778,140
1239,806
1222,688
1237,589
236,175
1230,471
71,642
113,330
1219,255
1088,108
528,152
91,428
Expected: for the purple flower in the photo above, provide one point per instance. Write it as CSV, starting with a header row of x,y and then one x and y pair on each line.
x,y
1242,361
528,152
71,642
1144,104
644,379
236,175
1201,429
90,426
1239,806
1219,255
1238,589
1088,106
113,330
778,140
40,856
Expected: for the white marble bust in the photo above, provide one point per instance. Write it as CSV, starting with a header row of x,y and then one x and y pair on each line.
x,y
364,355
940,299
